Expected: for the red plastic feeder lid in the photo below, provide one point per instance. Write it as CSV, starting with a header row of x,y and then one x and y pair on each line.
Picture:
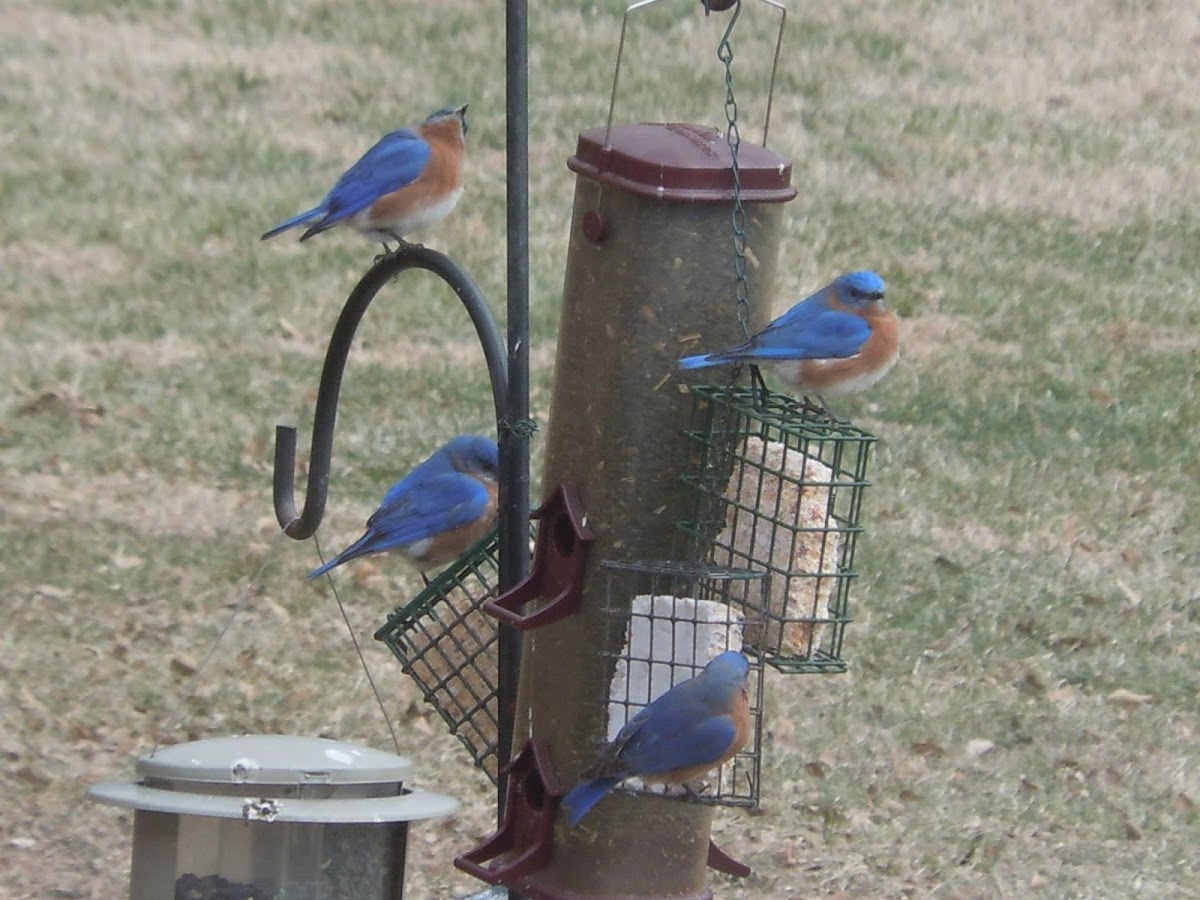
x,y
688,163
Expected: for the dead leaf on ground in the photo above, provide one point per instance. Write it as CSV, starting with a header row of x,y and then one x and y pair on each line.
x,y
53,592
928,749
30,775
64,403
1129,699
948,565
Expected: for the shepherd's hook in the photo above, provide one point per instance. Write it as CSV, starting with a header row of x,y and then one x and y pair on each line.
x,y
301,526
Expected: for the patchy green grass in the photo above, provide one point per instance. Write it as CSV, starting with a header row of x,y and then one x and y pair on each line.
x,y
1020,716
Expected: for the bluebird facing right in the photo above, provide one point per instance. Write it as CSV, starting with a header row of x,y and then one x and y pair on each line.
x,y
839,341
437,510
696,726
411,179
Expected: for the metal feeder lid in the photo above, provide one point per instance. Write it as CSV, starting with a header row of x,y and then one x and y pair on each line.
x,y
244,776
275,759
674,161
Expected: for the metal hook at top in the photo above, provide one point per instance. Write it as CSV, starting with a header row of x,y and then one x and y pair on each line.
x,y
709,6
303,525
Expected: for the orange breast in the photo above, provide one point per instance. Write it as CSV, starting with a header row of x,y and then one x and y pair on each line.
x,y
441,178
835,377
742,727
449,545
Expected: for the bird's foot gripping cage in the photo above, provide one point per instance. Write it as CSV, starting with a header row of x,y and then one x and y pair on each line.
x,y
449,647
674,618
776,489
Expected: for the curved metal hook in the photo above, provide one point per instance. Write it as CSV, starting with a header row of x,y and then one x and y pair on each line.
x,y
303,525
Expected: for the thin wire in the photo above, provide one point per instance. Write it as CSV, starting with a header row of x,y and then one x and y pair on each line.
x,y
357,649
189,688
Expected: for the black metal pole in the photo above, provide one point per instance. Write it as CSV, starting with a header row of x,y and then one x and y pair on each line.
x,y
516,427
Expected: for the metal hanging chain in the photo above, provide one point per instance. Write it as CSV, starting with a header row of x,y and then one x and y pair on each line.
x,y
734,139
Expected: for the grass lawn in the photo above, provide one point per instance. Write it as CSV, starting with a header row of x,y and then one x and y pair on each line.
x,y
1020,718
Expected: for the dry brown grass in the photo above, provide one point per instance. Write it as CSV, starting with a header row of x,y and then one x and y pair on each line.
x,y
1020,716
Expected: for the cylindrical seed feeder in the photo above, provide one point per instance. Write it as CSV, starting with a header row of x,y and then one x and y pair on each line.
x,y
266,816
650,265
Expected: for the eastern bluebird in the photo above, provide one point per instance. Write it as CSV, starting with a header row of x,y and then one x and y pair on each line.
x,y
410,180
696,726
436,511
839,341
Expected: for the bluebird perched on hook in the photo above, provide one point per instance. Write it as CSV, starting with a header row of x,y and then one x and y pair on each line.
x,y
411,179
696,726
435,512
839,341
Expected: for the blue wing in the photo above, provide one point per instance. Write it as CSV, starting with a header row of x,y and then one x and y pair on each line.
x,y
439,463
396,161
669,742
686,726
803,332
830,334
423,509
429,507
809,330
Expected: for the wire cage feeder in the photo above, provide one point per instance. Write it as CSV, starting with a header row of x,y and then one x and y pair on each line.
x,y
450,648
675,618
777,489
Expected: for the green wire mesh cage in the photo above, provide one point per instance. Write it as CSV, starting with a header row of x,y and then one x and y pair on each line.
x,y
779,489
449,647
675,618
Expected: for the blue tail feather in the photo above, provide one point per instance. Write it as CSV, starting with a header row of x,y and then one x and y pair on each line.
x,y
299,219
359,548
324,225
699,362
718,357
580,800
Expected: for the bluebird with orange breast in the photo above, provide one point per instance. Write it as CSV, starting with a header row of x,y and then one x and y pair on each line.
x,y
696,726
410,180
839,341
435,512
